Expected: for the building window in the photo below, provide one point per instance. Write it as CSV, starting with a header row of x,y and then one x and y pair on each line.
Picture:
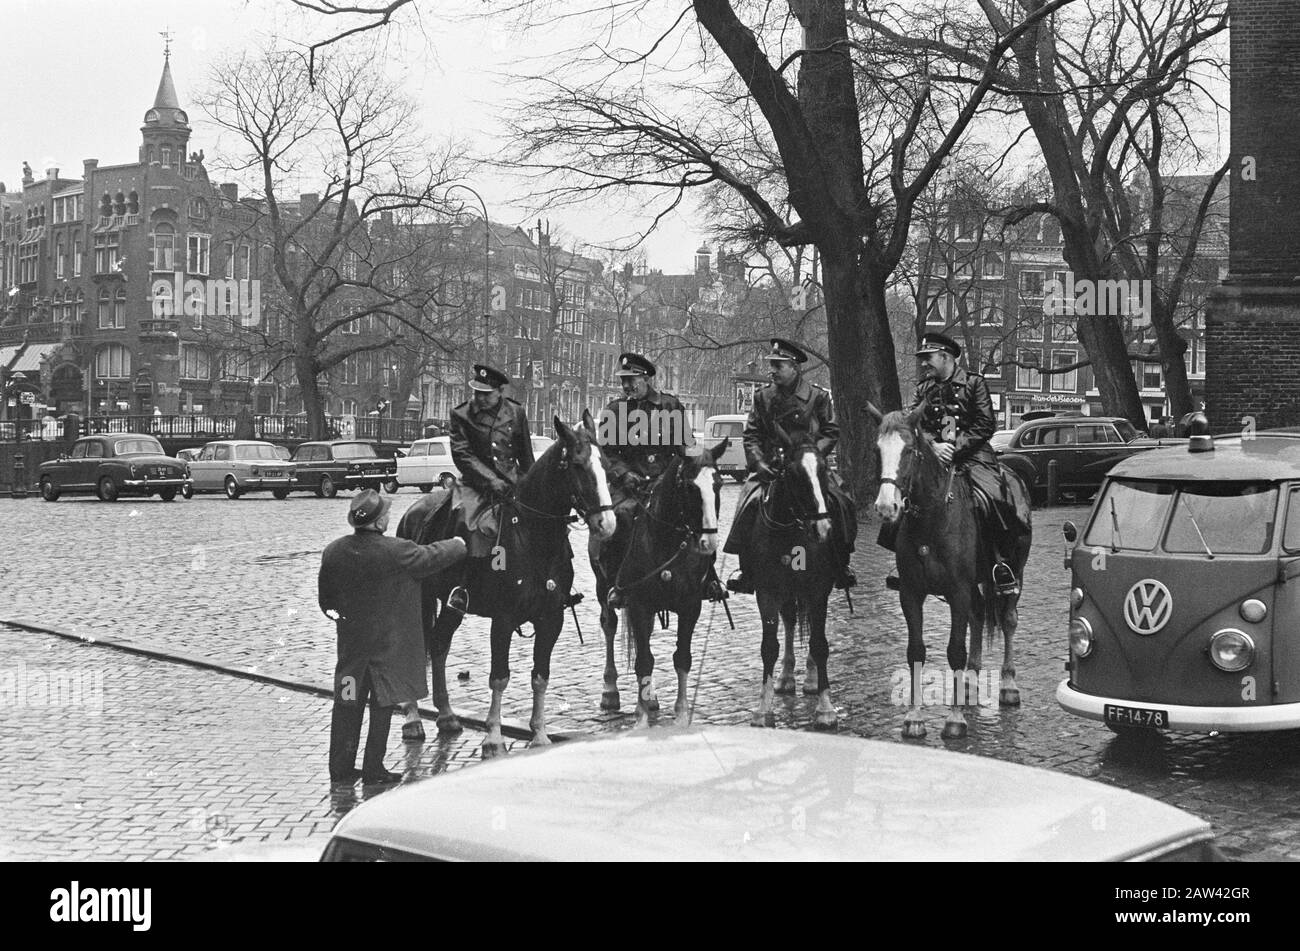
x,y
196,304
350,369
113,362
60,256
166,153
349,265
196,261
1150,376
1029,324
1031,286
1027,376
228,255
1065,382
105,309
164,247
119,309
934,310
198,208
195,364
106,245
27,262
349,407
243,263
993,264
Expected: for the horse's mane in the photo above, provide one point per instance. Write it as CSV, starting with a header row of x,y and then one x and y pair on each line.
x,y
896,422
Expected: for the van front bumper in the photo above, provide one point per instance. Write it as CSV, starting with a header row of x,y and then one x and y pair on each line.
x,y
1273,716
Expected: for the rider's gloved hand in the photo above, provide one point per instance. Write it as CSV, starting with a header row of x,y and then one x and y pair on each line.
x,y
764,471
633,481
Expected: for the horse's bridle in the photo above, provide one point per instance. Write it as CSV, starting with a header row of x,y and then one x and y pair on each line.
x,y
575,503
681,530
797,518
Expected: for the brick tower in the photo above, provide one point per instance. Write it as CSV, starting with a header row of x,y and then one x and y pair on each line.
x,y
1252,335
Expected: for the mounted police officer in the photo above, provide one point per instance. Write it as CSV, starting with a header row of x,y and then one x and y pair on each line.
x,y
491,445
797,407
957,413
640,434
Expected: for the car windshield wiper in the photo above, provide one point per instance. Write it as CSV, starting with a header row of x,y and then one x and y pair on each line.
x,y
1187,505
1115,540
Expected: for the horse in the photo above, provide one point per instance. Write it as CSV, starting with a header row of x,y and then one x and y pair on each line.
x,y
664,567
941,550
528,576
793,566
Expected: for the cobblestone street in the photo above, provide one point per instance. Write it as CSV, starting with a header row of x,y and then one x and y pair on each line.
x,y
180,760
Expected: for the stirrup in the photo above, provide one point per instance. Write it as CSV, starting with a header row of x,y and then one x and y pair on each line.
x,y
572,598
892,583
1004,579
716,590
847,579
458,600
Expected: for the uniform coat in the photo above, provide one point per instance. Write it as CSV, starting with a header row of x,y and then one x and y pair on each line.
x,y
962,400
651,459
794,410
373,582
492,444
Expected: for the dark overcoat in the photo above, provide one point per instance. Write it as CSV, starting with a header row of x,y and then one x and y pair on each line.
x,y
491,444
663,434
373,582
794,410
959,410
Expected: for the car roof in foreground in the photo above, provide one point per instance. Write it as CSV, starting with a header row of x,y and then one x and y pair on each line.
x,y
724,793
1266,457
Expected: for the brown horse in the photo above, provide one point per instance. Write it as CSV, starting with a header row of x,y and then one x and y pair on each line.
x,y
528,576
940,550
664,566
792,562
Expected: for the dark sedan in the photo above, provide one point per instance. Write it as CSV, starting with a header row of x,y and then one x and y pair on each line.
x,y
113,465
326,467
1084,449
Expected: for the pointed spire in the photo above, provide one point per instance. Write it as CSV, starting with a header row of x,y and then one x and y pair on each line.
x,y
166,97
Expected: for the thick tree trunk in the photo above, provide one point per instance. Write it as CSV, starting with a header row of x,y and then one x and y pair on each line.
x,y
312,403
1172,347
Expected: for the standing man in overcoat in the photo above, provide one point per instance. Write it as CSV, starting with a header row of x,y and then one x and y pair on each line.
x,y
369,584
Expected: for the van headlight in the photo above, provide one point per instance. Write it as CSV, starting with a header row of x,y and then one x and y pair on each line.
x,y
1080,637
1232,650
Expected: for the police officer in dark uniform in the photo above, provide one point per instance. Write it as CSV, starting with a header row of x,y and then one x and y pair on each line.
x,y
958,415
491,445
795,405
640,434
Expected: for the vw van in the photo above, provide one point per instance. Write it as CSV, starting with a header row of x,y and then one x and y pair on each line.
x,y
1185,591
732,426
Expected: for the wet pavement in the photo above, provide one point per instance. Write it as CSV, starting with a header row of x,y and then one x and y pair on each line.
x,y
181,761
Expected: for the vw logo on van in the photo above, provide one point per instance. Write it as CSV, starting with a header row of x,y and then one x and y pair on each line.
x,y
1148,606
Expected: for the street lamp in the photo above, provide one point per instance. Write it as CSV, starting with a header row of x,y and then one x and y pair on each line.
x,y
487,258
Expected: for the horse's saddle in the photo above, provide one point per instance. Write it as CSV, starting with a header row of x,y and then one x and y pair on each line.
x,y
465,513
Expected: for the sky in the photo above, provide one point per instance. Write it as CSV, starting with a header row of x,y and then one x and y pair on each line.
x,y
79,75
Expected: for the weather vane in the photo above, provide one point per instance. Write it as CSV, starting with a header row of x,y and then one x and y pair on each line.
x,y
167,42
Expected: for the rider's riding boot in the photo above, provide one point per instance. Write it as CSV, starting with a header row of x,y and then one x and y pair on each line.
x,y
572,598
892,583
1004,579
458,599
848,578
740,583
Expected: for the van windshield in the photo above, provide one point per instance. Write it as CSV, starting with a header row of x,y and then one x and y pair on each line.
x,y
1233,517
721,429
1130,515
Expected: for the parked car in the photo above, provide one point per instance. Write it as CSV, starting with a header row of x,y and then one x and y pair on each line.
x,y
1083,447
187,455
728,793
237,466
730,426
425,463
113,465
1001,439
327,466
540,445
1184,599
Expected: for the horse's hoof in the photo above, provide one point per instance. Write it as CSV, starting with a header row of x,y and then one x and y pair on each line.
x,y
652,705
1009,697
642,721
492,750
913,729
449,725
810,689
609,701
954,730
763,720
681,714
826,721
784,686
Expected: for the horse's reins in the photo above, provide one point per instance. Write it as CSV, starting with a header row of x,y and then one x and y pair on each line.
x,y
682,529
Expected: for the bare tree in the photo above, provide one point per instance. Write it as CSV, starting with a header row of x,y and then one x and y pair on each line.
x,y
1101,86
344,257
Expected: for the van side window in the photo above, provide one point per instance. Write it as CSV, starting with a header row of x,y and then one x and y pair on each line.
x,y
1291,535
